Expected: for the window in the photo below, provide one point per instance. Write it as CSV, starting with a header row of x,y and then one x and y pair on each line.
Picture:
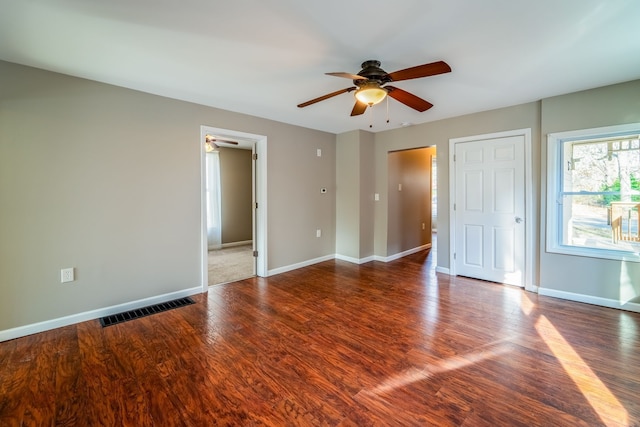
x,y
593,205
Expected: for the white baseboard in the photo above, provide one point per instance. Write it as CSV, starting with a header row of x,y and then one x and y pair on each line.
x,y
405,253
348,259
382,258
232,244
588,299
34,328
355,260
299,265
443,270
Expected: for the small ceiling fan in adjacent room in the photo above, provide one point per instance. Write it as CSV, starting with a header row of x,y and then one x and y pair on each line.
x,y
211,143
371,85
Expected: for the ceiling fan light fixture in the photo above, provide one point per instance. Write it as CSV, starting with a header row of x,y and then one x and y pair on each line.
x,y
371,94
209,145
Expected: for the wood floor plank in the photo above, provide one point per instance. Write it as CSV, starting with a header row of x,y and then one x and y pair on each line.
x,y
337,344
102,391
69,382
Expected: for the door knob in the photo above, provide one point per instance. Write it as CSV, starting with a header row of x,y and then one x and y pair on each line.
x,y
518,220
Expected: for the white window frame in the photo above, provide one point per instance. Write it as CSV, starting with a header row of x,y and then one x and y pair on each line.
x,y
555,163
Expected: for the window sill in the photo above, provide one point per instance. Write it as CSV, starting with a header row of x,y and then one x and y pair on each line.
x,y
595,253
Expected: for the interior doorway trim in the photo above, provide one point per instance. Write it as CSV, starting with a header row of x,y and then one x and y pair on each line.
x,y
259,147
528,184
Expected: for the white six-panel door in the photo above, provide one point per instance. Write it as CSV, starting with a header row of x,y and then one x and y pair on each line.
x,y
489,209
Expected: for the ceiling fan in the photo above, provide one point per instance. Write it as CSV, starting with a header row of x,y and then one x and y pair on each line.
x,y
211,143
371,85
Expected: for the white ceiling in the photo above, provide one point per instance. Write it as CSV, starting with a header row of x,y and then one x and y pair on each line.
x,y
265,57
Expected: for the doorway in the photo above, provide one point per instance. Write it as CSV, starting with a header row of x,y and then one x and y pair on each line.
x,y
409,214
490,202
240,252
229,205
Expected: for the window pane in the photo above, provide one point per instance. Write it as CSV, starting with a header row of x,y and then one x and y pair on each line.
x,y
594,192
611,166
587,222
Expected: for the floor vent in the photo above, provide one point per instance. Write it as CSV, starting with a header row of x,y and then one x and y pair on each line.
x,y
144,311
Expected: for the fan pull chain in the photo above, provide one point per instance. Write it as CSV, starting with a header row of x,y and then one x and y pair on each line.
x,y
372,118
387,109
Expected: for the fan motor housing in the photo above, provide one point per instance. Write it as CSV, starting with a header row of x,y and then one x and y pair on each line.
x,y
372,71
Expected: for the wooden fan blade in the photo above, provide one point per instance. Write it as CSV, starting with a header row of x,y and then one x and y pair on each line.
x,y
213,139
347,76
358,108
425,70
408,99
327,96
226,141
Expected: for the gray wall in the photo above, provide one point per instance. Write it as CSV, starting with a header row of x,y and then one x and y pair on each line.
x,y
348,194
107,180
367,190
236,195
354,195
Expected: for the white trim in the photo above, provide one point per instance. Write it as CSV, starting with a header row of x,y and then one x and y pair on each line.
x,y
34,328
300,265
261,214
528,191
259,144
383,258
443,270
588,299
348,259
367,259
204,244
405,253
355,260
452,214
529,246
234,244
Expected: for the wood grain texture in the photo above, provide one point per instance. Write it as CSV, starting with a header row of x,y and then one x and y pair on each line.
x,y
336,344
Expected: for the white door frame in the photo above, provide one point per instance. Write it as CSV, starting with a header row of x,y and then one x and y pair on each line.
x,y
528,191
259,144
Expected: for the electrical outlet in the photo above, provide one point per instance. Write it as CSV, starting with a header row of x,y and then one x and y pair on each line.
x,y
423,225
66,275
318,233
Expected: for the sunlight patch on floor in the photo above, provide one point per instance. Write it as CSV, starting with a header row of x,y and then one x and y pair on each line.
x,y
413,375
606,405
523,301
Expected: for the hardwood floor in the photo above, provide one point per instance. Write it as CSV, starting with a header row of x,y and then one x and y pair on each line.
x,y
336,344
